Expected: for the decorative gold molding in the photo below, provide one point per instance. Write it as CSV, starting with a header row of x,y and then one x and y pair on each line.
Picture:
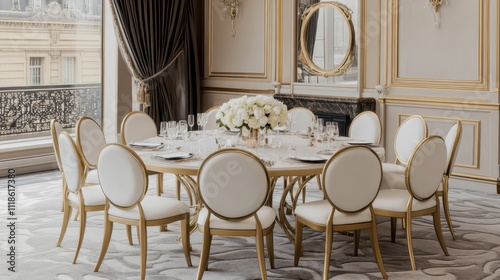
x,y
267,49
440,102
483,57
279,44
477,135
242,90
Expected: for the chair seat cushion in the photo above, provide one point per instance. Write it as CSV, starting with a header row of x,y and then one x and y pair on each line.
x,y
265,214
393,176
396,201
92,178
93,196
319,211
155,208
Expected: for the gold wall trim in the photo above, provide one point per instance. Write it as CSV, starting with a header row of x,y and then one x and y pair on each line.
x,y
267,48
483,57
279,43
441,103
475,177
477,134
244,90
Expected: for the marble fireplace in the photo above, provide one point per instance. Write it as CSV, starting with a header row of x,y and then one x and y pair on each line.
x,y
341,110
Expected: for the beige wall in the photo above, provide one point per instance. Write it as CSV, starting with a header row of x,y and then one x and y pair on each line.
x,y
446,74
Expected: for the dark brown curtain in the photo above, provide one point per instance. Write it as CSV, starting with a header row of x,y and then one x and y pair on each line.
x,y
156,40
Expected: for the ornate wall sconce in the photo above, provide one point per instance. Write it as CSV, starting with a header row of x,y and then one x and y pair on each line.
x,y
231,10
436,4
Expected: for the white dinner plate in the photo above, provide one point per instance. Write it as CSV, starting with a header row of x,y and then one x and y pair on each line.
x,y
151,145
311,158
359,142
174,155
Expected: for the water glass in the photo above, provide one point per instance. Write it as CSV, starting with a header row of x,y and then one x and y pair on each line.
x,y
199,120
182,127
163,129
171,131
191,121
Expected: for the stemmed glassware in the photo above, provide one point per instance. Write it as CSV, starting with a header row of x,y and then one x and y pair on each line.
x,y
332,128
182,127
199,120
191,121
172,132
204,119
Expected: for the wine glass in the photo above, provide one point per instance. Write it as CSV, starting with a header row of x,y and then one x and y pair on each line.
x,y
332,129
191,121
204,119
199,120
163,129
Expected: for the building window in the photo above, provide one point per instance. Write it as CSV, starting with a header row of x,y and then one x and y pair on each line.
x,y
35,73
37,4
68,70
69,5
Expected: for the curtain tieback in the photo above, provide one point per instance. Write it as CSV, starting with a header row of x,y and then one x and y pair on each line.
x,y
143,87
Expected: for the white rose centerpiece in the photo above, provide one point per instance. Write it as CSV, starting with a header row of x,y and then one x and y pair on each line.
x,y
252,113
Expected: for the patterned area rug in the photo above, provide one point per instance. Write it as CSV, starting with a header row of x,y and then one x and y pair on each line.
x,y
475,254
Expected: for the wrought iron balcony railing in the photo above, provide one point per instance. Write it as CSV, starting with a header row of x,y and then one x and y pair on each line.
x,y
28,110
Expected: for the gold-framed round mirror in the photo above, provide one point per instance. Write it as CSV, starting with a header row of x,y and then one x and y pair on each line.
x,y
327,49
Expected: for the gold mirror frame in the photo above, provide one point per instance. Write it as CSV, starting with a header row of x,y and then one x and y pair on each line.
x,y
305,56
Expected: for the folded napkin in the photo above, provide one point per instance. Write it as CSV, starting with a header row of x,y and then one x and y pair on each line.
x,y
174,155
146,144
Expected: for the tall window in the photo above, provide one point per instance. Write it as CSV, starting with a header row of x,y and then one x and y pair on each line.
x,y
37,4
35,73
68,70
69,5
59,76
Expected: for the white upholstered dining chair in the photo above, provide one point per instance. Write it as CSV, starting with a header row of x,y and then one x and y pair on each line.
x,y
351,181
366,126
211,119
233,185
90,140
138,126
76,196
415,192
303,118
452,142
124,182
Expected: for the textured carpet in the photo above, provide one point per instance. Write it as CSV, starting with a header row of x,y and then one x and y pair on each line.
x,y
475,254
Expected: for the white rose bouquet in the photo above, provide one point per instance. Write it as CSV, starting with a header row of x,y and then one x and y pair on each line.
x,y
246,113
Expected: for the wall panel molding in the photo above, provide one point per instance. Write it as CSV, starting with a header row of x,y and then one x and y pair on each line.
x,y
480,83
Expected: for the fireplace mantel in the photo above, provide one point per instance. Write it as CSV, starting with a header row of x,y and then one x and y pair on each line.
x,y
331,108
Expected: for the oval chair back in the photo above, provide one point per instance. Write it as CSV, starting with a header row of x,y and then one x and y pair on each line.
x,y
74,171
304,118
452,142
426,167
233,184
55,130
409,134
366,126
211,118
90,139
137,126
351,179
122,175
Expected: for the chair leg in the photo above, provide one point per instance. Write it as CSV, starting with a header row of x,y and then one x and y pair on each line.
x,y
393,229
66,217
270,249
446,207
83,223
298,242
259,242
129,234
178,189
77,213
376,248
186,244
159,184
205,251
328,251
144,247
108,230
409,240
437,227
356,241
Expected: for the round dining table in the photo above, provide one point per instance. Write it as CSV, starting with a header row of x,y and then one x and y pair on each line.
x,y
295,157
